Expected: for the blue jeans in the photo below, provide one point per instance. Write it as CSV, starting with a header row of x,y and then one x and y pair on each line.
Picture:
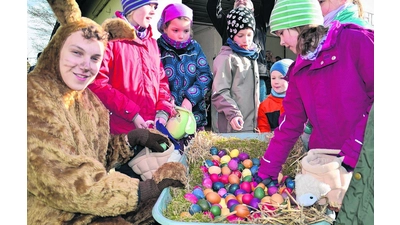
x,y
263,90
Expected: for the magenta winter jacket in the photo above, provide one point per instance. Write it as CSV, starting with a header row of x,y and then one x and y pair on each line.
x,y
335,92
132,80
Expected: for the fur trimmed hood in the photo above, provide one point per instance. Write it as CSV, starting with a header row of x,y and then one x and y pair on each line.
x,y
118,28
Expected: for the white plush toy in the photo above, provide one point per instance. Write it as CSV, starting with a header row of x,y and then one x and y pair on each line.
x,y
309,189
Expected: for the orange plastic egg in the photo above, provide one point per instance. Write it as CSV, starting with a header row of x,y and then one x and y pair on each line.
x,y
185,214
239,197
225,170
266,199
247,163
276,200
207,190
242,211
213,197
234,179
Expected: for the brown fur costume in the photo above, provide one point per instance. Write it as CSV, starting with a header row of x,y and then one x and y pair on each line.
x,y
70,150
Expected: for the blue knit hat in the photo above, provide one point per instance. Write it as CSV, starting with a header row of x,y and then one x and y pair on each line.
x,y
281,66
130,5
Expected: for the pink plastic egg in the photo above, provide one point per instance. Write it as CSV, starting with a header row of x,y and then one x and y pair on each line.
x,y
246,198
191,198
222,192
233,165
224,178
207,183
246,186
214,177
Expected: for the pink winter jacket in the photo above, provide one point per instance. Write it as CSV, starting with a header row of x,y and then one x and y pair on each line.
x,y
132,80
335,92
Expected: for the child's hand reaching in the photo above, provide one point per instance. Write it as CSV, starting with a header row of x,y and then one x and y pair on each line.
x,y
237,123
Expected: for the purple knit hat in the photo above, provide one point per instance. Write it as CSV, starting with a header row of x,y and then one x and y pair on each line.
x,y
173,11
130,5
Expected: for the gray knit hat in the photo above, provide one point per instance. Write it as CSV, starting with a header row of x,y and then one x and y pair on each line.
x,y
294,13
238,19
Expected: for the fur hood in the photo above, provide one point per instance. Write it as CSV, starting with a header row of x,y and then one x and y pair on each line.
x,y
118,28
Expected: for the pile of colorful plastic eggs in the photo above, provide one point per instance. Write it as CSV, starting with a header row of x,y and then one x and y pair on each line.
x,y
230,188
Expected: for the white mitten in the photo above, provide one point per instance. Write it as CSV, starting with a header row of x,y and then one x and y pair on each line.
x,y
326,167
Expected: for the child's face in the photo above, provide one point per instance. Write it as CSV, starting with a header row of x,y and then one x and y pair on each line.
x,y
142,16
288,38
178,29
328,6
244,38
80,60
278,83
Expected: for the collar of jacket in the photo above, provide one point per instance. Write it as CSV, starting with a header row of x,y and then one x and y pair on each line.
x,y
169,48
328,54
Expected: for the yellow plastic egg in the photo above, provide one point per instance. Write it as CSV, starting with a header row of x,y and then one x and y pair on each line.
x,y
234,153
246,172
222,203
225,211
225,159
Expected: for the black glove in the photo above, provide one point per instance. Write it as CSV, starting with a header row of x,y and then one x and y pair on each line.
x,y
149,189
347,167
150,138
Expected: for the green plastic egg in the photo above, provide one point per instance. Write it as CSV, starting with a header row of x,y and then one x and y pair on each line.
x,y
259,193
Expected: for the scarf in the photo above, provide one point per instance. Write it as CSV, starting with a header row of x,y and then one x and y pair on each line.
x,y
313,55
328,18
274,93
176,44
252,53
140,31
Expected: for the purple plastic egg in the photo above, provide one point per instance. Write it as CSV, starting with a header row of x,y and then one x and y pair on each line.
x,y
191,198
221,153
236,159
254,202
232,202
239,191
243,155
272,190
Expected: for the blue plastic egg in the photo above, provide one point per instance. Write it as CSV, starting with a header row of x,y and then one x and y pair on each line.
x,y
198,193
194,208
214,150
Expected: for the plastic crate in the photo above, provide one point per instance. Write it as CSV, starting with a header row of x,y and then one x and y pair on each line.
x,y
165,197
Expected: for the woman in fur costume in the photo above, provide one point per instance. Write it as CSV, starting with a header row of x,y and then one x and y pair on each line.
x,y
71,153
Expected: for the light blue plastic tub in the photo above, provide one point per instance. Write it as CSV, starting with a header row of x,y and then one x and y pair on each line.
x,y
165,197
